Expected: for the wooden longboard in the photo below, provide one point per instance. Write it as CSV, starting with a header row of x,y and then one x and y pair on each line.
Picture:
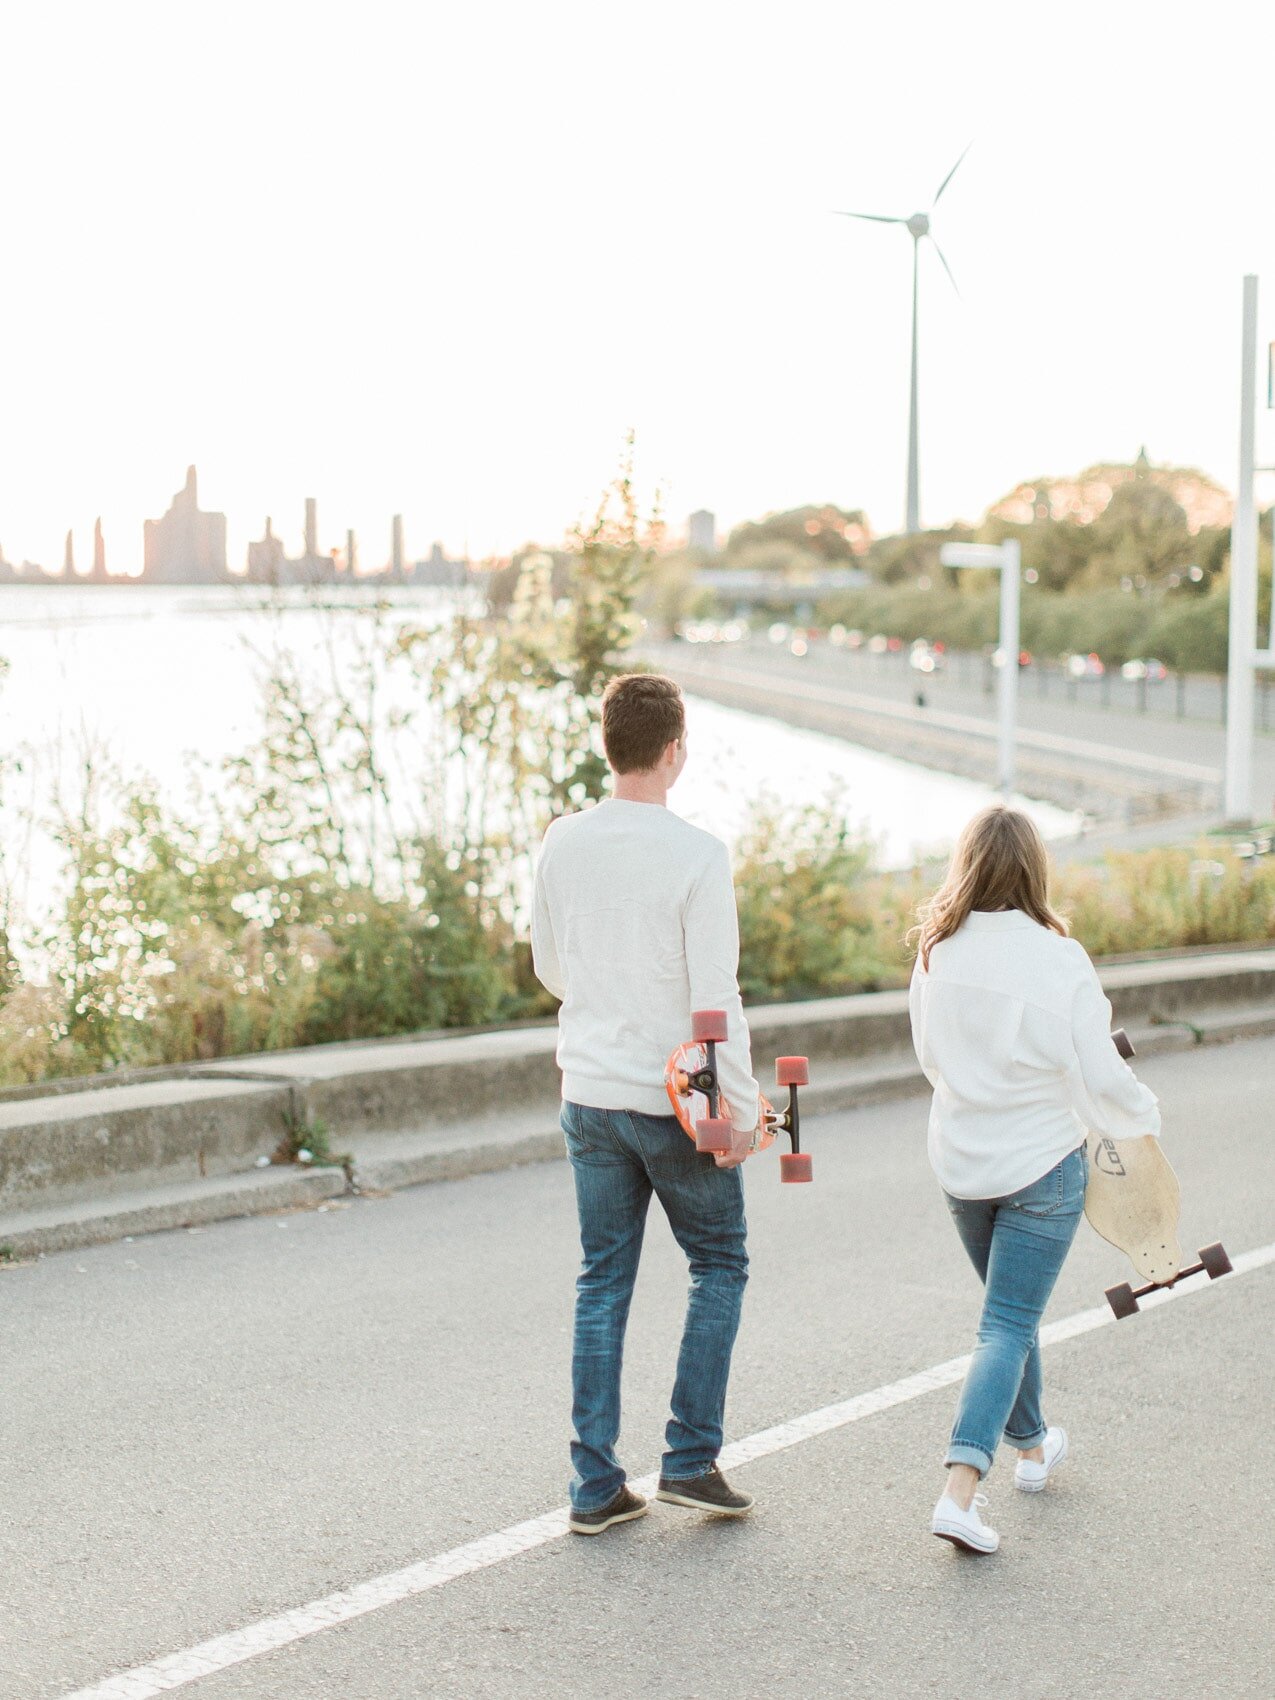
x,y
1132,1200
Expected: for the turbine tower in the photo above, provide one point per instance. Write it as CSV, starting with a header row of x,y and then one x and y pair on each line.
x,y
918,228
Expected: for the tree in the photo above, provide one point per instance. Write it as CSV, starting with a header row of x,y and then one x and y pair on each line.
x,y
835,536
1141,537
902,559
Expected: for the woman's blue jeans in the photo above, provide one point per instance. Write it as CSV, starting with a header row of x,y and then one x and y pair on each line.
x,y
1018,1245
619,1157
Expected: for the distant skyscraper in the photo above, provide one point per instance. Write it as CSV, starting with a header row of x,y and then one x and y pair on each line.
x,y
701,531
268,563
396,548
266,558
437,569
350,555
311,567
186,546
99,552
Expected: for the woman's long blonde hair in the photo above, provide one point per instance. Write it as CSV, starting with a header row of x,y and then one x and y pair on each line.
x,y
999,862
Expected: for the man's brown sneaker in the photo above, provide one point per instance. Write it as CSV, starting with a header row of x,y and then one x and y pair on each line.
x,y
622,1509
710,1492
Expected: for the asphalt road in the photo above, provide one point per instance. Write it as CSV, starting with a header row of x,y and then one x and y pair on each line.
x,y
202,1429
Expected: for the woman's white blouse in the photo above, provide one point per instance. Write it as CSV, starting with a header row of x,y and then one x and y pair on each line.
x,y
1013,1031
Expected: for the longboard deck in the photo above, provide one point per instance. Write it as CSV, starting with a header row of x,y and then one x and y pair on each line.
x,y
692,1105
1132,1200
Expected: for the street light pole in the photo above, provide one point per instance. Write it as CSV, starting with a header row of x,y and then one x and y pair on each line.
x,y
1005,558
1241,643
1010,647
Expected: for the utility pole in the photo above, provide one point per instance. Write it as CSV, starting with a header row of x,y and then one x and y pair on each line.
x,y
1241,643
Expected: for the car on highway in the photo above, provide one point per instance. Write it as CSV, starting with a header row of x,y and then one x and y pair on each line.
x,y
1148,669
925,657
712,631
1085,667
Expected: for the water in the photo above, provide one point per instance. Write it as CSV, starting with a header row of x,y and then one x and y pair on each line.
x,y
159,679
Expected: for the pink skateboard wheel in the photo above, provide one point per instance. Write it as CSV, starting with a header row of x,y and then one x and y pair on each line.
x,y
794,1166
792,1071
708,1024
713,1135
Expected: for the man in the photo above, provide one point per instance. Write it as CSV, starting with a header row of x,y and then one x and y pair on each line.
x,y
634,925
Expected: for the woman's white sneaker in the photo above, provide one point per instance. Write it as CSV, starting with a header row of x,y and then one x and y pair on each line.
x,y
1031,1477
964,1528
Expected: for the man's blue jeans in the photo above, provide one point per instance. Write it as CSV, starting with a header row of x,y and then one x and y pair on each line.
x,y
1018,1245
619,1157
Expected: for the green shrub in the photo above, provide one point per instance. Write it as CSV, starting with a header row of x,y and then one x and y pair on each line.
x,y
1144,900
807,924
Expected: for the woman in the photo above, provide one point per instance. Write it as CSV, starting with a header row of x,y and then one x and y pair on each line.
x,y
1013,1032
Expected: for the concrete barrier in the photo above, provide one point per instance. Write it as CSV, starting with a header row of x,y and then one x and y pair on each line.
x,y
220,1118
99,1140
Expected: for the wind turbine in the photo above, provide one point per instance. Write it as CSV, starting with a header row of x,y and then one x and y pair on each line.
x,y
919,228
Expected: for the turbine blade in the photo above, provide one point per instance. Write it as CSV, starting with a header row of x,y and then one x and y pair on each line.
x,y
952,173
877,218
947,269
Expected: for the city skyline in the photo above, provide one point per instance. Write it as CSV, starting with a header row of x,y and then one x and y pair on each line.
x,y
435,279
1079,496
187,545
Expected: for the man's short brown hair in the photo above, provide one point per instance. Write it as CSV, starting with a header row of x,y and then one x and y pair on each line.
x,y
642,713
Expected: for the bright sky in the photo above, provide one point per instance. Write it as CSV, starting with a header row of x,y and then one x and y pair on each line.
x,y
437,259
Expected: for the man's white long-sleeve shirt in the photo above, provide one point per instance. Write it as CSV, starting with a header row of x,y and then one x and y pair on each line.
x,y
634,926
1013,1031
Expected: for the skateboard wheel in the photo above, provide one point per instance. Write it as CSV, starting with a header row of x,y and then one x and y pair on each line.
x,y
713,1135
792,1071
1215,1261
794,1165
1123,1043
1121,1300
708,1025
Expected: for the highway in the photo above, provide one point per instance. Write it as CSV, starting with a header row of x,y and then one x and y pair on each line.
x,y
1047,705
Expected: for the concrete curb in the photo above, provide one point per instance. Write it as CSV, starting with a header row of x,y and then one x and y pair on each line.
x,y
92,1165
175,1205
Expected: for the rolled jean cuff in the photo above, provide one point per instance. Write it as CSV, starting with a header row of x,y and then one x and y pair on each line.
x,y
1022,1444
960,1452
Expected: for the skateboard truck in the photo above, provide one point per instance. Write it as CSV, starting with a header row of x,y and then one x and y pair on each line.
x,y
792,1072
1123,1299
1213,1260
714,1134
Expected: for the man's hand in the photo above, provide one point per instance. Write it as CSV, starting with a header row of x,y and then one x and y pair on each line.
x,y
741,1144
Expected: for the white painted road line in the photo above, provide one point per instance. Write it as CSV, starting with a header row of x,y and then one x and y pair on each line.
x,y
176,1670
